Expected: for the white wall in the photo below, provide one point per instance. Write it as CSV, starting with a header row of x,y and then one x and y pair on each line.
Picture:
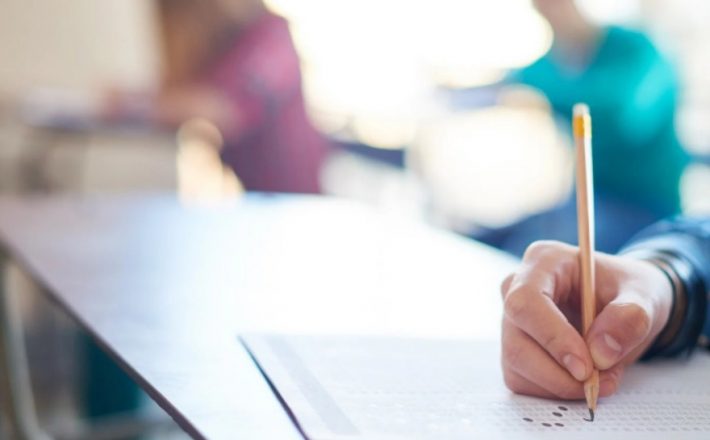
x,y
82,44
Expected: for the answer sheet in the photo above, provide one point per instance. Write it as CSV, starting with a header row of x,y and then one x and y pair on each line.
x,y
387,388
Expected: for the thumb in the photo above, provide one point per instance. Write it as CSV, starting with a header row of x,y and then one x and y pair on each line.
x,y
622,326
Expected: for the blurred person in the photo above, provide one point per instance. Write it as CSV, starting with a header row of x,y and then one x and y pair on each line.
x,y
652,303
632,91
233,63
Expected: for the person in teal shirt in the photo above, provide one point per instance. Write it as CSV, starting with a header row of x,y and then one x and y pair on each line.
x,y
632,92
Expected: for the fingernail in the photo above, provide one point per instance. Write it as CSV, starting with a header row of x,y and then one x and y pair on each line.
x,y
612,343
605,351
607,387
575,366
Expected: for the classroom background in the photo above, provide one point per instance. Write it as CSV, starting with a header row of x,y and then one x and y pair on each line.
x,y
416,108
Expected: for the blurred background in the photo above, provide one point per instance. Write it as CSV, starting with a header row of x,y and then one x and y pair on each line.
x,y
455,112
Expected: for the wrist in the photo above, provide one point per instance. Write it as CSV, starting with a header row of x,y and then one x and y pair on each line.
x,y
680,333
675,302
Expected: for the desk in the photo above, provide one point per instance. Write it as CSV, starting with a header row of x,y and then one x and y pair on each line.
x,y
165,289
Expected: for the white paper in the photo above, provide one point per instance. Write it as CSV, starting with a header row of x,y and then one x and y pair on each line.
x,y
387,388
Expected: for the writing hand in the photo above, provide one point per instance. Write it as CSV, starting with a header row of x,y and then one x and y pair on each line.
x,y
543,353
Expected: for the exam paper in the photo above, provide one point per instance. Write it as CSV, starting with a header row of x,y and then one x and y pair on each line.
x,y
388,388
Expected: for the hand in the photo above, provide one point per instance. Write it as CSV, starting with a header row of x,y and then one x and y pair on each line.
x,y
543,353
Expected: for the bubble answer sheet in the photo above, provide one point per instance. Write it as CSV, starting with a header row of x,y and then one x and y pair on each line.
x,y
388,388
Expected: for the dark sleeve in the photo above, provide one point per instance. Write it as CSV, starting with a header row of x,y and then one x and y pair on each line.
x,y
686,241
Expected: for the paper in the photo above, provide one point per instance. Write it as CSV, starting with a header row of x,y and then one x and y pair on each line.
x,y
387,388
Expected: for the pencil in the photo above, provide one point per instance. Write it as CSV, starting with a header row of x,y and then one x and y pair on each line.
x,y
582,130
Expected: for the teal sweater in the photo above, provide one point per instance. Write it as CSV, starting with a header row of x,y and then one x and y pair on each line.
x,y
632,91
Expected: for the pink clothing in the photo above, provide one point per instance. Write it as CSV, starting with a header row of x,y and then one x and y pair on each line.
x,y
274,147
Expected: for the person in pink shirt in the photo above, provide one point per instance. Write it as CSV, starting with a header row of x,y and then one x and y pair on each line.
x,y
234,63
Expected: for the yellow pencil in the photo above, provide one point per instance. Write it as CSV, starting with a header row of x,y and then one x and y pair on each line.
x,y
582,130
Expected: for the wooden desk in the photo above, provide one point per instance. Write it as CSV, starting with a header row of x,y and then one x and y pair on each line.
x,y
165,288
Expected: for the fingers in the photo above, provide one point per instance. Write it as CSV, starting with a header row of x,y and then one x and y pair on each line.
x,y
505,285
528,369
528,359
520,385
610,380
620,328
535,313
608,384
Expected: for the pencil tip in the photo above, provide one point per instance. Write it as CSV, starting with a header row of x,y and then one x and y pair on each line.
x,y
591,415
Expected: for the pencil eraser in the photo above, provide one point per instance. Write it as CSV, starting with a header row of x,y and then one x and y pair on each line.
x,y
580,109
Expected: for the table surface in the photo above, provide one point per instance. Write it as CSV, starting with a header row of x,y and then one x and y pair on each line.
x,y
166,288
